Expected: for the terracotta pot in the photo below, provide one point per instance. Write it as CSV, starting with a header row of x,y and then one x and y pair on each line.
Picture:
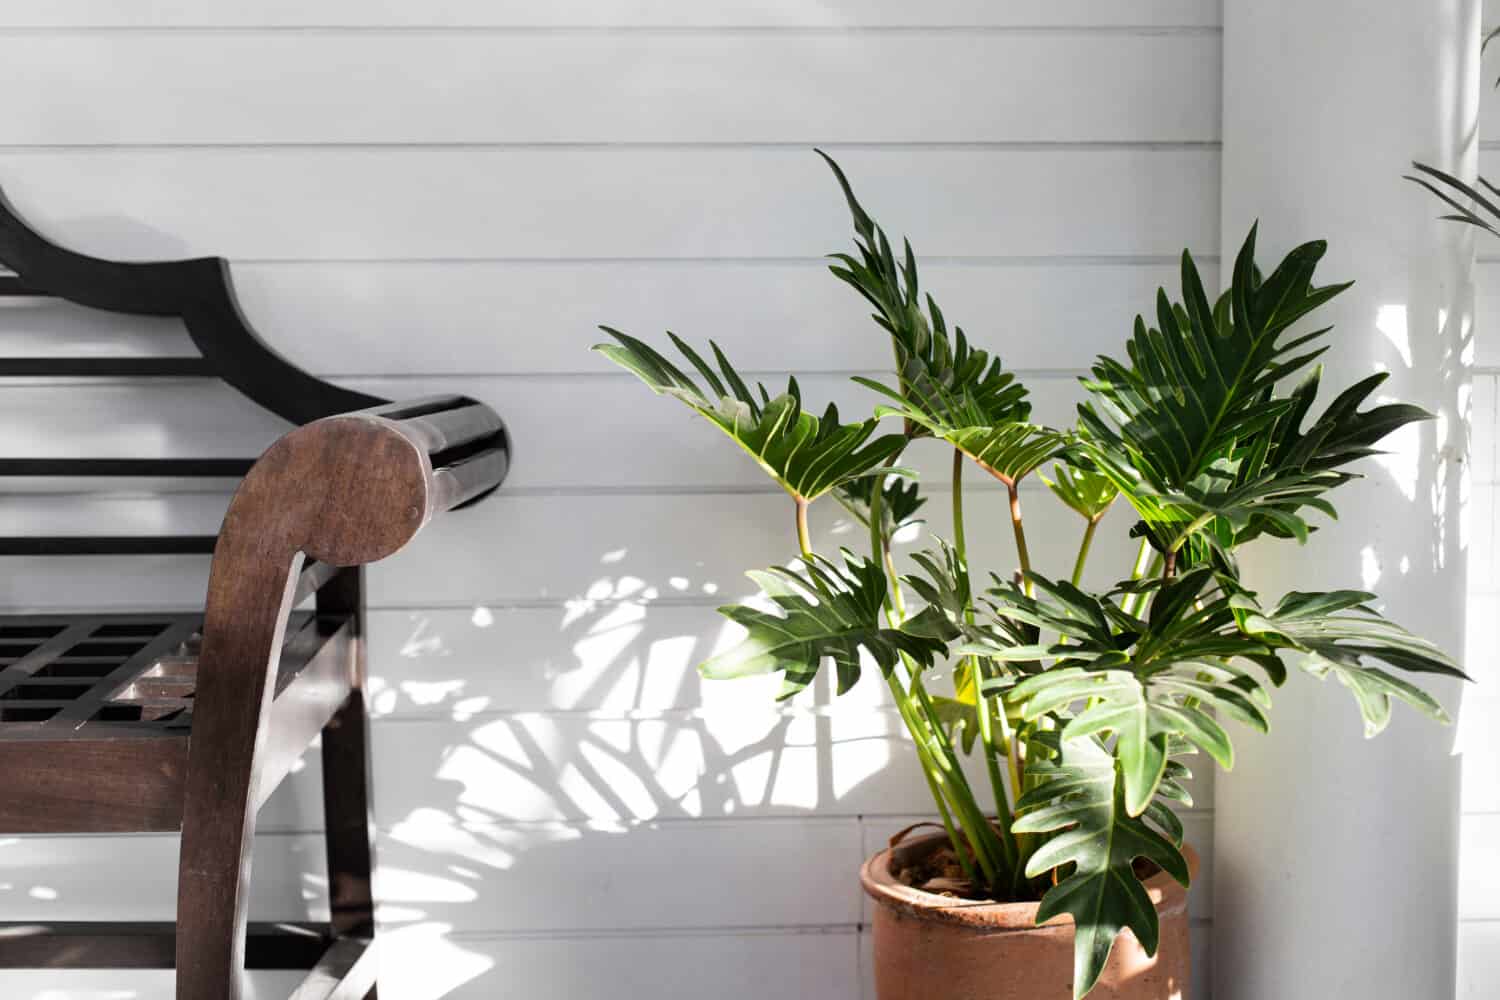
x,y
930,946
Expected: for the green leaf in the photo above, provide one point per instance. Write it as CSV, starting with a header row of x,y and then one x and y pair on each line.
x,y
1192,430
1449,189
944,386
827,611
899,502
1007,450
1338,631
1144,714
807,456
1088,493
1080,802
1150,684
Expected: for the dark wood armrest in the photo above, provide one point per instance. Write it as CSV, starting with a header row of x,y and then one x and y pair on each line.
x,y
344,491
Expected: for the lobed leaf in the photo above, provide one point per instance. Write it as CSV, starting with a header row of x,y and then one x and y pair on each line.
x,y
806,455
1079,801
827,611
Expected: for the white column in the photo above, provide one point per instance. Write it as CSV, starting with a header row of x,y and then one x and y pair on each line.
x,y
1335,857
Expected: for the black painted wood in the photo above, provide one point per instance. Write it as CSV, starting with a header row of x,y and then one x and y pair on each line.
x,y
191,468
200,292
107,545
106,367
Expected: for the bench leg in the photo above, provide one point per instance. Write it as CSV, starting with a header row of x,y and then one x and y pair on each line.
x,y
346,818
346,779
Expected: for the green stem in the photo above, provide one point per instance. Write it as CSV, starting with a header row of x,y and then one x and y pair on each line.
x,y
1022,554
944,780
1025,843
1144,556
981,833
803,542
982,701
958,504
930,771
935,756
890,572
880,546
1083,550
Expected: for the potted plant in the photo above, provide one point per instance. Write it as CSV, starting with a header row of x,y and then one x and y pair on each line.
x,y
1083,704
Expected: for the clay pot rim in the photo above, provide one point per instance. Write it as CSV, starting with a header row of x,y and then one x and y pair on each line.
x,y
881,886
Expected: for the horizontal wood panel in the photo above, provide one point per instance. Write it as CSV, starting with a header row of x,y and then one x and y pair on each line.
x,y
1486,303
103,583
1478,959
468,87
642,442
595,203
134,984
1479,867
478,878
745,762
633,547
534,548
49,328
134,877
590,13
424,962
493,318
1479,725
482,317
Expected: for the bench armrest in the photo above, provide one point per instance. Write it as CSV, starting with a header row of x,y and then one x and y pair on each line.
x,y
344,491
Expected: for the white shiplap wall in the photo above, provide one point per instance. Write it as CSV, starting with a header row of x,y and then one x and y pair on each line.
x,y
1479,718
449,196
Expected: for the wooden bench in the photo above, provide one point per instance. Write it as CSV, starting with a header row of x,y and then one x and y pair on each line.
x,y
188,722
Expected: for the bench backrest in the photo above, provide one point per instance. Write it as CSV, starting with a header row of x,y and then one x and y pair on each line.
x,y
201,294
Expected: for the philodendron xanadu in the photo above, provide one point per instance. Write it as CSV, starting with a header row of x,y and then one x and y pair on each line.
x,y
1083,704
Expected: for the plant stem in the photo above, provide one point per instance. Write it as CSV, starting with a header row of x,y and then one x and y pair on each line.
x,y
981,833
934,752
931,771
880,546
945,815
982,701
1083,550
890,572
1022,554
958,505
944,777
802,539
1143,558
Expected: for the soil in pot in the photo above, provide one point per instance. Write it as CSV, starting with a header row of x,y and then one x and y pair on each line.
x,y
929,944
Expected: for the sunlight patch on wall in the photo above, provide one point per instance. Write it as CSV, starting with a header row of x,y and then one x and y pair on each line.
x,y
1401,458
421,963
1390,320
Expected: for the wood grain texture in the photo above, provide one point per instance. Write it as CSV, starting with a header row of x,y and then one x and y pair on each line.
x,y
295,502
